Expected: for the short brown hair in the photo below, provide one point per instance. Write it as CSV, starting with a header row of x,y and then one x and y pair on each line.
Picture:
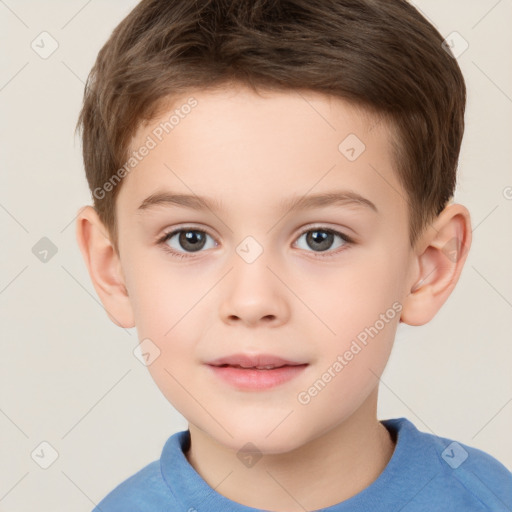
x,y
381,55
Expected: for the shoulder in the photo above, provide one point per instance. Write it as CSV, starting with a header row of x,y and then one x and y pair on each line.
x,y
458,474
480,474
144,491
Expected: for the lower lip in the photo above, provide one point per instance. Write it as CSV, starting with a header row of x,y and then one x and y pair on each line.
x,y
252,379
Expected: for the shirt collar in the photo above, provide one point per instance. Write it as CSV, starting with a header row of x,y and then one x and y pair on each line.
x,y
412,466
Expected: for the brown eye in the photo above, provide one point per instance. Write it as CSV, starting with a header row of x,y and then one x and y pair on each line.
x,y
323,239
186,240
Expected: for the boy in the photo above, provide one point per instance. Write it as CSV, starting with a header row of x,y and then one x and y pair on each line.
x,y
255,131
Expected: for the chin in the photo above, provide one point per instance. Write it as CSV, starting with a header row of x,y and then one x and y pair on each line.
x,y
263,435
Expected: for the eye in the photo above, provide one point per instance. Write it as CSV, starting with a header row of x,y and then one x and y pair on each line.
x,y
322,239
185,240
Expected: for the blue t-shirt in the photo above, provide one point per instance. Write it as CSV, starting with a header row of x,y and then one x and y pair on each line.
x,y
425,473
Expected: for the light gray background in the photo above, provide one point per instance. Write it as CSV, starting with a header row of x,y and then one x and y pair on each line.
x,y
68,375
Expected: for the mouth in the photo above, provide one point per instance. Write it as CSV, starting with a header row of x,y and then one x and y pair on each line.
x,y
256,372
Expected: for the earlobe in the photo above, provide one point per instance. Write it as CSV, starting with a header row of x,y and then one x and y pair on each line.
x,y
441,256
104,267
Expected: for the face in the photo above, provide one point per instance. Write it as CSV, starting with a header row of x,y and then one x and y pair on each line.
x,y
300,254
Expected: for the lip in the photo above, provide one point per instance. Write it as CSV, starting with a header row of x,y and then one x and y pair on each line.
x,y
246,371
253,360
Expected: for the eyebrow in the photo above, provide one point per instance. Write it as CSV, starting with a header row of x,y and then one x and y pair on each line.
x,y
310,201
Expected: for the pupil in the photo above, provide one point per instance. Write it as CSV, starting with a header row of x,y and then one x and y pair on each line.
x,y
195,240
322,238
192,240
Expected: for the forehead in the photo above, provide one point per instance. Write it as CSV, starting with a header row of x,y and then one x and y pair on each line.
x,y
238,148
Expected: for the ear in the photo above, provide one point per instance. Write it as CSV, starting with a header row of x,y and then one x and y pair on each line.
x,y
104,267
440,257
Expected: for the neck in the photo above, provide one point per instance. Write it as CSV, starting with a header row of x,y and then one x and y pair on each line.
x,y
327,470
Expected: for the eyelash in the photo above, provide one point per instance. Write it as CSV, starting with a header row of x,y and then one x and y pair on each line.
x,y
180,255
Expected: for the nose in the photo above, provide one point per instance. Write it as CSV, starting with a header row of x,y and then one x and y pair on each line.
x,y
253,295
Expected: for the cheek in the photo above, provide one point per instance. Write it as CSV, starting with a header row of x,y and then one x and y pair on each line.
x,y
351,295
348,372
360,306
171,309
163,296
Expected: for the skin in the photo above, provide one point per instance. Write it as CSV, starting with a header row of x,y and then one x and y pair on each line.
x,y
251,152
